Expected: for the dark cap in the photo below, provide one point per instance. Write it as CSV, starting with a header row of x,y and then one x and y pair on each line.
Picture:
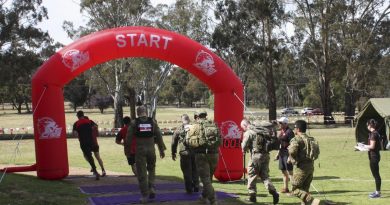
x,y
202,112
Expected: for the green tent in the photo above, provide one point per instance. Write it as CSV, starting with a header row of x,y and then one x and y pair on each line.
x,y
378,109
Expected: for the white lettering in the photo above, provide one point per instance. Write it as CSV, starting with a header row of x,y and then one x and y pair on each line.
x,y
167,39
131,35
154,39
120,39
142,40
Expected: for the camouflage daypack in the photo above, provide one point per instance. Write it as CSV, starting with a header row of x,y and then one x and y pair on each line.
x,y
264,142
203,134
312,149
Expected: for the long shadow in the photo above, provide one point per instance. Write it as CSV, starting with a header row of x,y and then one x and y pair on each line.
x,y
325,177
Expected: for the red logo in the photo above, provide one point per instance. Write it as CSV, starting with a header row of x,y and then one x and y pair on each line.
x,y
73,59
230,130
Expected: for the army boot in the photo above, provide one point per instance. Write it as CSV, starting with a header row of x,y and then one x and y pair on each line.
x,y
152,193
275,197
252,198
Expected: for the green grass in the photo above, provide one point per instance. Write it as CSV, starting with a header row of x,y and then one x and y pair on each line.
x,y
341,174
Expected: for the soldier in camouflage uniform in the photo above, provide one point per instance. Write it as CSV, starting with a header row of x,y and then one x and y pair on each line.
x,y
303,174
187,156
206,160
259,162
147,133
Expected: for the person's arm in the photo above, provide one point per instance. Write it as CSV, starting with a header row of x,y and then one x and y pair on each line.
x,y
74,132
175,141
372,138
293,151
159,140
129,135
245,142
118,138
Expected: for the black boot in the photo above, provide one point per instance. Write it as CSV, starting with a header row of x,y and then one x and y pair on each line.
x,y
275,197
252,198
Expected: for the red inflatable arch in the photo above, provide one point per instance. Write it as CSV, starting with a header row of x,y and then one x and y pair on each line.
x,y
103,46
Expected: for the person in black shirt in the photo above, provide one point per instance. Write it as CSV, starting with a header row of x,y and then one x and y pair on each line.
x,y
374,155
285,136
83,129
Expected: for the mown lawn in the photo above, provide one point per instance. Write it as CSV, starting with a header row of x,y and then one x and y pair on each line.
x,y
342,175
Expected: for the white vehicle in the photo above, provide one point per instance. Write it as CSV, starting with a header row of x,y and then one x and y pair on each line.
x,y
289,110
306,110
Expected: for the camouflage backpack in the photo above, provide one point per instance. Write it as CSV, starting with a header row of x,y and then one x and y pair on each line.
x,y
312,149
203,134
264,141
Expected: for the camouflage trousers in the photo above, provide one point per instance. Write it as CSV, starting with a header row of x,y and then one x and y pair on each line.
x,y
258,166
146,170
190,173
302,177
206,165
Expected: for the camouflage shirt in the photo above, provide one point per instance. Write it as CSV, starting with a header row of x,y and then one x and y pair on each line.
x,y
297,150
250,141
178,139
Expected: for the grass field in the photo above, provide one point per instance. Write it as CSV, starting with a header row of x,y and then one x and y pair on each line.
x,y
341,174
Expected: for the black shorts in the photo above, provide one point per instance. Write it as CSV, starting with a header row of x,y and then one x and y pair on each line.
x,y
131,159
283,165
87,148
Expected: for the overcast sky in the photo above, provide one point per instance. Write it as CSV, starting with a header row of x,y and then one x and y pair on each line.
x,y
68,10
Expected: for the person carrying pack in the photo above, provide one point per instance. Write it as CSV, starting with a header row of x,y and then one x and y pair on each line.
x,y
187,156
303,150
258,140
147,134
204,139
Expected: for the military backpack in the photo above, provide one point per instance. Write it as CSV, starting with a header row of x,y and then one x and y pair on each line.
x,y
264,141
203,134
312,149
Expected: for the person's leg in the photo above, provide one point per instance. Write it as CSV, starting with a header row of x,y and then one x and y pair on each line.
x,y
131,162
140,160
186,168
151,168
374,167
100,161
264,176
195,175
203,166
297,183
252,176
87,153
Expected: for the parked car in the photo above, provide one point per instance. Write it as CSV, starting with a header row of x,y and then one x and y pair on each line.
x,y
289,110
317,111
306,110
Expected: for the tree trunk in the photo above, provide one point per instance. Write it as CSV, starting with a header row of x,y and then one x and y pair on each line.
x,y
132,102
118,109
349,104
27,107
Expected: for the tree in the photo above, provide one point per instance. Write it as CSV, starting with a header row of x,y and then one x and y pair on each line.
x,y
23,47
249,29
362,31
101,102
76,92
111,14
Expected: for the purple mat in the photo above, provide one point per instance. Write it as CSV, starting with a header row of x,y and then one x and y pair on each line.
x,y
160,197
126,188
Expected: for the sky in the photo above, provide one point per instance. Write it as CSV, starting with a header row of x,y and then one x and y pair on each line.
x,y
68,10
